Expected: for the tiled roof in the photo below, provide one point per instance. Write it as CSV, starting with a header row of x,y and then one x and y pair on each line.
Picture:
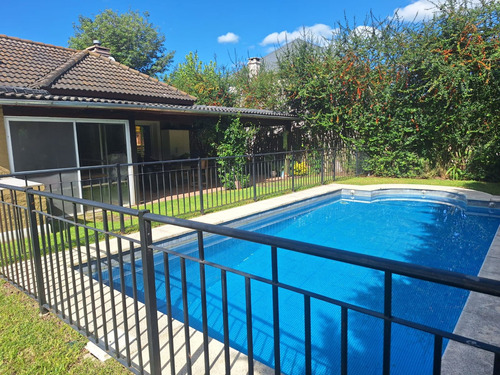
x,y
67,72
43,96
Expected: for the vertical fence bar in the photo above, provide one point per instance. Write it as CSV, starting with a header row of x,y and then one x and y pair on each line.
x,y
248,299
40,289
254,179
438,349
136,305
63,225
124,302
292,170
343,341
357,163
322,167
200,184
204,314
168,297
225,321
80,269
91,284
120,196
334,162
101,290
496,364
185,306
307,331
150,294
111,280
276,313
29,250
387,323
72,267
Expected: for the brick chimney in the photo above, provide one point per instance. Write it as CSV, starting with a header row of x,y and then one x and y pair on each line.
x,y
97,48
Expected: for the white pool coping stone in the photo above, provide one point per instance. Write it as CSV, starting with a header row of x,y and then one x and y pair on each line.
x,y
471,196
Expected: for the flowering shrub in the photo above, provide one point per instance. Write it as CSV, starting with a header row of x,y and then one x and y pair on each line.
x,y
300,169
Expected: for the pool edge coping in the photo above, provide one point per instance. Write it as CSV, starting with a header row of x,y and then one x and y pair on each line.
x,y
473,198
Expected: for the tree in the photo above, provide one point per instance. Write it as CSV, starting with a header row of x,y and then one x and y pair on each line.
x,y
206,82
131,38
260,90
413,97
234,143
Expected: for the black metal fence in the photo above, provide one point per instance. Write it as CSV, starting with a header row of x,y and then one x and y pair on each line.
x,y
183,187
109,285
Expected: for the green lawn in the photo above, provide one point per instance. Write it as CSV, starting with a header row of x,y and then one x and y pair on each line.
x,y
30,344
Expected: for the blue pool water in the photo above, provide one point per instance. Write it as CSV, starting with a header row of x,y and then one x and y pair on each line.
x,y
422,232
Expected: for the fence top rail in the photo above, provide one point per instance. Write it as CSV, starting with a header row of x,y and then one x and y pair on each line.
x,y
12,187
25,174
81,201
450,278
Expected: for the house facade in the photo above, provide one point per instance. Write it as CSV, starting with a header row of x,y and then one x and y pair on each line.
x,y
62,108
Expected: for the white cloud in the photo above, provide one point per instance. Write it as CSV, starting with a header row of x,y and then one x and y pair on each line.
x,y
318,33
228,38
423,9
366,31
417,11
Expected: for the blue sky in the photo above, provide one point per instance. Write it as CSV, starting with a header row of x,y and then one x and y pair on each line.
x,y
225,30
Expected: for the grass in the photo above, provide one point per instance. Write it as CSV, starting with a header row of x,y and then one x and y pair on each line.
x,y
486,187
30,344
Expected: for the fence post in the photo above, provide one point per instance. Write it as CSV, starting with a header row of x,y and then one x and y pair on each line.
x,y
322,167
293,171
150,294
357,163
254,178
120,196
200,184
334,162
37,256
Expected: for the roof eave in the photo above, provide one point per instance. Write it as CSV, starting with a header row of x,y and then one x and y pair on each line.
x,y
136,107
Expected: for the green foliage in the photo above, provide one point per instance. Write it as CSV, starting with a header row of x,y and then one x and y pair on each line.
x,y
232,166
131,38
206,82
261,90
300,169
407,95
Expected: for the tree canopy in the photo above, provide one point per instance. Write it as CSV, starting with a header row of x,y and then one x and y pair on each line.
x,y
417,98
260,90
131,38
206,82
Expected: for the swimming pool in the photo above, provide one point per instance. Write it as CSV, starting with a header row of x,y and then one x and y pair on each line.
x,y
444,234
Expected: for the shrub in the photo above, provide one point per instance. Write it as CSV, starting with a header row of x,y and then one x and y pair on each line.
x,y
300,169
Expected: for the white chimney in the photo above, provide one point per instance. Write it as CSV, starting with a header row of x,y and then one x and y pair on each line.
x,y
254,66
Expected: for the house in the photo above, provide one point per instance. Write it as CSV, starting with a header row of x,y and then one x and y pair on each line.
x,y
271,60
61,107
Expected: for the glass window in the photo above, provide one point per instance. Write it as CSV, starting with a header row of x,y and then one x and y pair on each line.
x,y
42,145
